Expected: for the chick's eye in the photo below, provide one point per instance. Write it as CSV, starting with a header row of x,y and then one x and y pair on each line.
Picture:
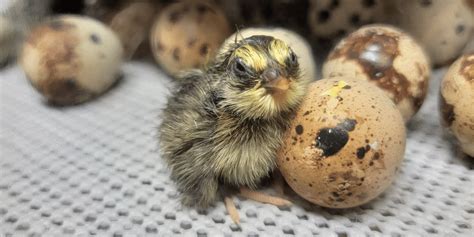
x,y
293,58
240,68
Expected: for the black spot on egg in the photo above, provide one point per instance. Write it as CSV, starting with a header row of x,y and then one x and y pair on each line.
x,y
360,152
334,4
355,19
204,49
174,16
176,54
425,3
368,3
299,129
332,140
94,38
323,16
460,29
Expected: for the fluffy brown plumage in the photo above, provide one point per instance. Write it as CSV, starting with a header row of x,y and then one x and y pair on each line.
x,y
223,125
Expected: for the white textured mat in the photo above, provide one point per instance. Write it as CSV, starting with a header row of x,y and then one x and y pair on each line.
x,y
93,169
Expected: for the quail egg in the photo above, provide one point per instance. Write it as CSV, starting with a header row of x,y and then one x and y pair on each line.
x,y
442,27
328,18
70,59
187,35
457,100
345,144
388,58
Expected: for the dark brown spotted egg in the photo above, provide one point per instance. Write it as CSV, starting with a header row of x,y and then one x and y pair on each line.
x,y
442,27
187,35
345,144
70,59
335,18
457,101
388,58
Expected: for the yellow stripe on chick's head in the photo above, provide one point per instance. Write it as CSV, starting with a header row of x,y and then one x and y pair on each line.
x,y
279,50
252,56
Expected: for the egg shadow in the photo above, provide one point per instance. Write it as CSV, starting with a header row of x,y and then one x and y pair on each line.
x,y
94,98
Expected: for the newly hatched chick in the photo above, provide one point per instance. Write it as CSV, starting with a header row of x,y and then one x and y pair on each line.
x,y
223,125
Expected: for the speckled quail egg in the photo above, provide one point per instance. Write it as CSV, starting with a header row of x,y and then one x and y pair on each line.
x,y
457,101
70,59
187,35
388,58
132,24
297,43
442,27
329,18
344,145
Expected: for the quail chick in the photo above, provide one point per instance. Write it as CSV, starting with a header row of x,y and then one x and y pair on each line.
x,y
223,125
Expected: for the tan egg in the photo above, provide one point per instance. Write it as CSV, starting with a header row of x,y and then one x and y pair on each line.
x,y
297,43
329,19
70,59
388,58
344,145
442,27
132,24
457,101
187,35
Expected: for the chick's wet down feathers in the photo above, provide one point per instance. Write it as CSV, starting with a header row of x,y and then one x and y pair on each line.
x,y
223,125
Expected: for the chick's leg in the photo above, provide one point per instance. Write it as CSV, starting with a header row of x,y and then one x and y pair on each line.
x,y
232,210
263,197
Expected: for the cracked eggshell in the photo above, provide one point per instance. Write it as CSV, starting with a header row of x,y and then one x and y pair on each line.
x,y
457,101
70,59
188,35
345,144
442,27
297,43
328,19
388,58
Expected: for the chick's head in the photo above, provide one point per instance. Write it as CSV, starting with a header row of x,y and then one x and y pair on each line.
x,y
263,77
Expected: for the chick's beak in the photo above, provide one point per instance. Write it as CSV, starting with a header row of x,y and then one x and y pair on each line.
x,y
274,82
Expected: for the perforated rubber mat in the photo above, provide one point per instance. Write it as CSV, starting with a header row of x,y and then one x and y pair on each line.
x,y
93,169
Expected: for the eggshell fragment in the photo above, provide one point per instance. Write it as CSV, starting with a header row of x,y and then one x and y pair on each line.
x,y
457,101
388,58
187,35
297,43
70,59
344,145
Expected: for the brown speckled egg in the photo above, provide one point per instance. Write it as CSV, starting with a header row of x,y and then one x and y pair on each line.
x,y
70,59
457,101
328,18
187,35
388,58
442,27
344,145
298,44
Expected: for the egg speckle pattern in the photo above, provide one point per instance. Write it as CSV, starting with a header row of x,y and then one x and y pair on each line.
x,y
66,59
328,18
187,35
442,27
388,58
345,144
456,100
